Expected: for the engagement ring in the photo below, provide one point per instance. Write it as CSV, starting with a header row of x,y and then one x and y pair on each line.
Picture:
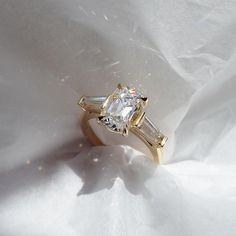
x,y
121,112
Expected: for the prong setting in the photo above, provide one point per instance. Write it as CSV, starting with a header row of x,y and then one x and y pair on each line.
x,y
122,110
81,102
103,106
121,86
144,100
138,120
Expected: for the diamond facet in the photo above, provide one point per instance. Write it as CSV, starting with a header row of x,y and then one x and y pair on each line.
x,y
119,109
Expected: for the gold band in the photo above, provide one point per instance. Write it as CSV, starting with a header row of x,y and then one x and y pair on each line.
x,y
95,140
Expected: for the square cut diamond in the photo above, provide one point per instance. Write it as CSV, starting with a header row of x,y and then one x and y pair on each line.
x,y
120,108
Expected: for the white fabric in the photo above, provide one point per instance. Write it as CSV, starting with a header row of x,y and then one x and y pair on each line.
x,y
181,54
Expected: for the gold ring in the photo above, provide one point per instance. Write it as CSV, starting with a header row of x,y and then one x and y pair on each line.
x,y
121,112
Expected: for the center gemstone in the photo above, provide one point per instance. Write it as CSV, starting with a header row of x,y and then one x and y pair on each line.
x,y
120,108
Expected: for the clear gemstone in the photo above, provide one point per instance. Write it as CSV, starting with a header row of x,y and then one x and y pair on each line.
x,y
94,100
120,108
149,129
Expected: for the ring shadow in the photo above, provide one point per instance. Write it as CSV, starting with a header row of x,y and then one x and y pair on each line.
x,y
99,168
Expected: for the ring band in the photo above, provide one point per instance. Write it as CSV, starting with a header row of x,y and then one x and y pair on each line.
x,y
121,112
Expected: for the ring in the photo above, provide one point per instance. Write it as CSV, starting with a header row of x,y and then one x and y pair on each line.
x,y
121,112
